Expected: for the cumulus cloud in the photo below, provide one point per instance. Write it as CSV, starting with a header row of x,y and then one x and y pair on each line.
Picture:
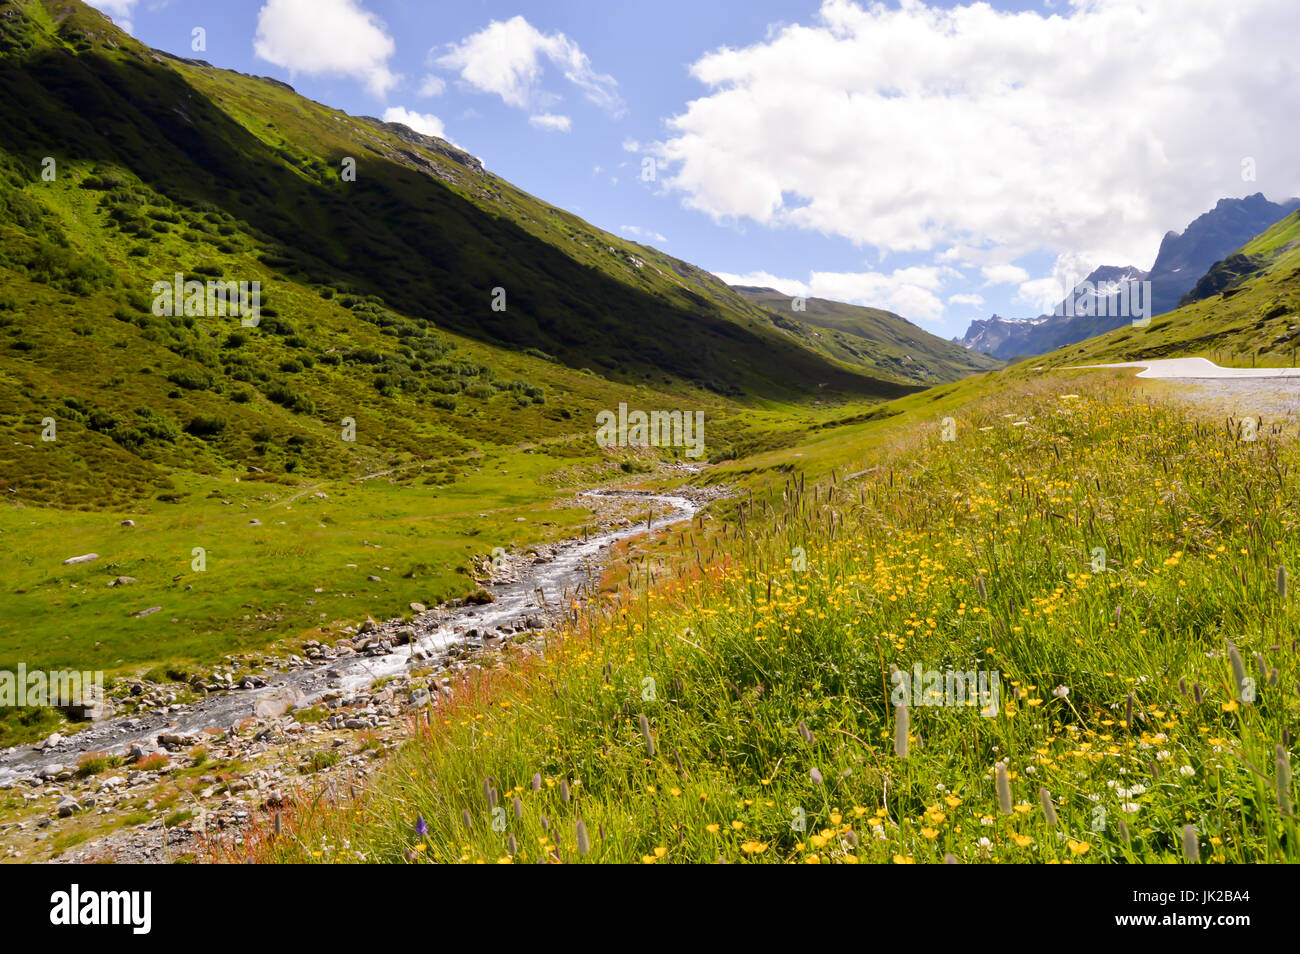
x,y
787,286
507,58
119,10
911,292
966,299
918,128
426,123
1045,294
326,38
549,122
1003,274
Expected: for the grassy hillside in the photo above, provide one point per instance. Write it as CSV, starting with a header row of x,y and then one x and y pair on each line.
x,y
1113,561
880,341
1245,312
422,226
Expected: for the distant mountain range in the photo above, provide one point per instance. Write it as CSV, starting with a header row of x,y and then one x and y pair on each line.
x,y
1245,311
1184,257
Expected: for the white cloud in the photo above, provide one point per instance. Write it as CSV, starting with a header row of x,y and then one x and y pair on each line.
x,y
1003,274
549,122
913,127
120,10
326,38
506,58
425,123
432,85
911,292
1042,294
787,286
973,300
1045,294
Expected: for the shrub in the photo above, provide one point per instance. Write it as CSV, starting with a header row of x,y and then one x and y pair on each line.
x,y
205,425
191,379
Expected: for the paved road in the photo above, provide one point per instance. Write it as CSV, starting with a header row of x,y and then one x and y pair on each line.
x,y
1193,368
1257,392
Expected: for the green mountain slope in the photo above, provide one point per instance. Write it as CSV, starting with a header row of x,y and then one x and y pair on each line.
x,y
121,166
422,226
879,341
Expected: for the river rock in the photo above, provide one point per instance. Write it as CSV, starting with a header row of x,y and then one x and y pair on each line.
x,y
275,702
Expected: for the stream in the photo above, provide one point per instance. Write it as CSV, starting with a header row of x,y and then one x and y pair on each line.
x,y
539,589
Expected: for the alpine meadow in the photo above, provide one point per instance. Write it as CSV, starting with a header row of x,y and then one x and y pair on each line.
x,y
363,506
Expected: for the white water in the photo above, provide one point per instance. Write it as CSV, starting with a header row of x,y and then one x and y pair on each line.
x,y
573,569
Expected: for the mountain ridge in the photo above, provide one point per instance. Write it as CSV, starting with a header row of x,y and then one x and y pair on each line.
x,y
883,341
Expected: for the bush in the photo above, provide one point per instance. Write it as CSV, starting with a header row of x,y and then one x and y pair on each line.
x,y
191,379
286,396
205,425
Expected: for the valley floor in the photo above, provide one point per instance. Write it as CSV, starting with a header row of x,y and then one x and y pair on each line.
x,y
1114,558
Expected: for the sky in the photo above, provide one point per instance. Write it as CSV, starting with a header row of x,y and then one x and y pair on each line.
x,y
946,161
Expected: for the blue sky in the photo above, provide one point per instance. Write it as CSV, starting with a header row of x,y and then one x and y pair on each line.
x,y
944,161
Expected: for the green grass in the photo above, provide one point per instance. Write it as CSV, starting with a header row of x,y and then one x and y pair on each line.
x,y
260,582
975,554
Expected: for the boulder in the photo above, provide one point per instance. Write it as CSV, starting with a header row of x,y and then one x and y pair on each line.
x,y
275,702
